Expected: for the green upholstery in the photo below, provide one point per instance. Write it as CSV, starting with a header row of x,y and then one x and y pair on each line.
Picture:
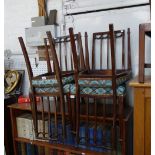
x,y
87,87
46,83
97,91
70,88
101,83
66,89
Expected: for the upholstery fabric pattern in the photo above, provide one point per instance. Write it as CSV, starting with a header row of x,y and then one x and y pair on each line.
x,y
97,91
51,82
87,87
101,83
66,89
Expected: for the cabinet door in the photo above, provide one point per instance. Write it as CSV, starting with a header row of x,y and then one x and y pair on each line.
x,y
142,121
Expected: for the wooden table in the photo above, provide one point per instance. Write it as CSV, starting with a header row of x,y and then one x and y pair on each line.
x,y
17,109
142,116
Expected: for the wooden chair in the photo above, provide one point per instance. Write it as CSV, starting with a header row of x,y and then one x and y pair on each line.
x,y
101,83
144,29
64,66
52,84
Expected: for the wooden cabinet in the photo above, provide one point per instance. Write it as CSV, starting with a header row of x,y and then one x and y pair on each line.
x,y
142,116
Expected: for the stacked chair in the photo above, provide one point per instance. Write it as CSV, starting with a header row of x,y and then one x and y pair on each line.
x,y
82,106
53,88
106,84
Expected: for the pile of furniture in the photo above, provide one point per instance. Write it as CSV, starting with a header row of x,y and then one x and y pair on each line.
x,y
83,104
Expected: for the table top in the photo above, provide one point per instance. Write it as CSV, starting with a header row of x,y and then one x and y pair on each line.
x,y
135,82
22,106
27,107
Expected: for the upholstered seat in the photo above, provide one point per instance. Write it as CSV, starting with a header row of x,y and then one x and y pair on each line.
x,y
66,89
97,91
101,83
70,88
52,82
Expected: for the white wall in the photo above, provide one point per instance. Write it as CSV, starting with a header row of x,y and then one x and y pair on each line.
x,y
18,16
88,5
122,19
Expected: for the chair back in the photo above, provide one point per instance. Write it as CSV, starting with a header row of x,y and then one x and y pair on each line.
x,y
64,54
28,63
101,50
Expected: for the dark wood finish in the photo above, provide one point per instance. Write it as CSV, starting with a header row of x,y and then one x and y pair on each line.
x,y
8,138
143,29
30,74
94,74
142,116
150,8
14,130
69,149
59,79
76,72
93,52
65,49
100,36
82,61
33,93
64,41
129,51
18,109
123,49
27,108
86,52
53,72
58,70
113,79
47,57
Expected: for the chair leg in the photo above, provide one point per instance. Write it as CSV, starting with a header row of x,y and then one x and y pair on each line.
x,y
34,112
114,124
77,117
62,104
55,118
124,139
114,138
87,121
73,104
121,122
69,110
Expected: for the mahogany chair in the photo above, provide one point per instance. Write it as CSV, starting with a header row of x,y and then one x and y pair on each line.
x,y
144,29
52,88
63,61
103,84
